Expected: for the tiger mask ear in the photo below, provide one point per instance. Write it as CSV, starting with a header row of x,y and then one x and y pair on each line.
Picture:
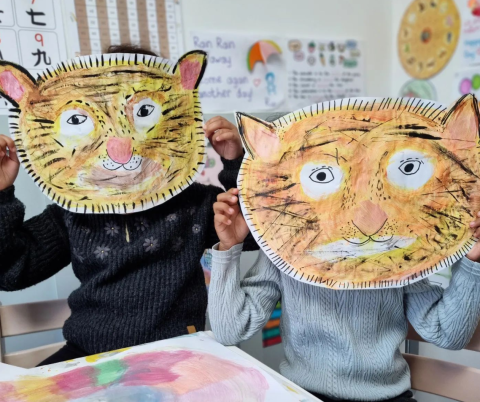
x,y
191,67
16,83
259,137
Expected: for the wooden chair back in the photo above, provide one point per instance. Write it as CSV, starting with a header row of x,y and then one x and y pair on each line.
x,y
19,319
443,378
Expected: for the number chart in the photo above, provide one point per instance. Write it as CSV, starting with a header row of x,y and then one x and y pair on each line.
x,y
32,35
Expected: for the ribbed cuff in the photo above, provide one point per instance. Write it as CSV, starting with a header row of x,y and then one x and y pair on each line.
x,y
470,267
221,257
233,165
7,195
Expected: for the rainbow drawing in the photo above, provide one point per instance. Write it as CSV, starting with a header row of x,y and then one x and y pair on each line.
x,y
260,52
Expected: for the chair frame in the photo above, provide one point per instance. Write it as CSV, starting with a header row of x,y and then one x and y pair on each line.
x,y
443,378
28,318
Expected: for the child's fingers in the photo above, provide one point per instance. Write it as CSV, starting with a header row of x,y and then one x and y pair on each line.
x,y
228,198
223,208
475,224
225,135
222,220
7,142
217,123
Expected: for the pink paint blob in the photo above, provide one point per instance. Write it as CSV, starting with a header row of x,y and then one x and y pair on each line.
x,y
465,86
153,368
190,71
11,85
119,149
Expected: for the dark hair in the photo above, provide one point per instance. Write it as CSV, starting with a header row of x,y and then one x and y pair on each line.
x,y
131,49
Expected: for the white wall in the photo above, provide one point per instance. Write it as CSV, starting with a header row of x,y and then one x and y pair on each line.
x,y
367,20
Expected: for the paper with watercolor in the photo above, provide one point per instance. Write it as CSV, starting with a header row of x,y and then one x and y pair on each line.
x,y
363,193
244,71
192,368
114,133
428,36
322,70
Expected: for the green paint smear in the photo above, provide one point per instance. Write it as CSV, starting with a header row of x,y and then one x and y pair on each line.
x,y
109,372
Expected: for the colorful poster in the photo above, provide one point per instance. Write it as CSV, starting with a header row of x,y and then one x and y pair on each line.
x,y
169,370
319,71
213,166
428,36
271,332
32,35
467,81
154,24
470,10
243,72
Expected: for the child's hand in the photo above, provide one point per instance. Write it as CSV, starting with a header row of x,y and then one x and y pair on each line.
x,y
9,164
229,223
224,138
474,253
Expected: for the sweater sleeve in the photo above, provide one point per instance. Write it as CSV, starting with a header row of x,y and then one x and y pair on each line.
x,y
228,178
240,308
30,251
447,318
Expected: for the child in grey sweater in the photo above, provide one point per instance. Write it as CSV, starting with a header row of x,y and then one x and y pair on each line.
x,y
342,345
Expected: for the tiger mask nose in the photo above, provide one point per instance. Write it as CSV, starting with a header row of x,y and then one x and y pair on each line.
x,y
120,150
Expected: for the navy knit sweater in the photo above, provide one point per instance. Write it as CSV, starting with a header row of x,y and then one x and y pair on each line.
x,y
141,278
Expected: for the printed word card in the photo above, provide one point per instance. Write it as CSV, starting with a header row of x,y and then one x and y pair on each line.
x,y
153,24
254,74
320,71
243,72
32,35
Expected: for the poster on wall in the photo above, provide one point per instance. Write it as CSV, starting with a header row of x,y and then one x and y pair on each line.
x,y
255,74
428,36
153,24
243,71
470,10
32,35
319,71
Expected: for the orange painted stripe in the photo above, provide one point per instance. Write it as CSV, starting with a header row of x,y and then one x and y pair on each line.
x,y
82,25
272,324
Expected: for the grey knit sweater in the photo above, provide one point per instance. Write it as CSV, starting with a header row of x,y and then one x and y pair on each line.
x,y
342,343
141,278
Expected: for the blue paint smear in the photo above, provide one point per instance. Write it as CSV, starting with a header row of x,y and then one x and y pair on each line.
x,y
120,393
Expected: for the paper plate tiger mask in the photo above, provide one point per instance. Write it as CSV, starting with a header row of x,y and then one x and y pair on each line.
x,y
363,193
116,133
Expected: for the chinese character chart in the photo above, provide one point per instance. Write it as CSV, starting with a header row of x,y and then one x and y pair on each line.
x,y
32,35
154,24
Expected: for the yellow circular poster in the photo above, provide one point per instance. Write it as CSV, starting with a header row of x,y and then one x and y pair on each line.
x,y
428,36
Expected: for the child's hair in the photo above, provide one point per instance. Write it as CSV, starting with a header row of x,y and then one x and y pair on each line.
x,y
131,49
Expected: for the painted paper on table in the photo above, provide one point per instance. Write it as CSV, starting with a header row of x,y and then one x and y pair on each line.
x,y
271,331
115,133
363,193
245,72
192,368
